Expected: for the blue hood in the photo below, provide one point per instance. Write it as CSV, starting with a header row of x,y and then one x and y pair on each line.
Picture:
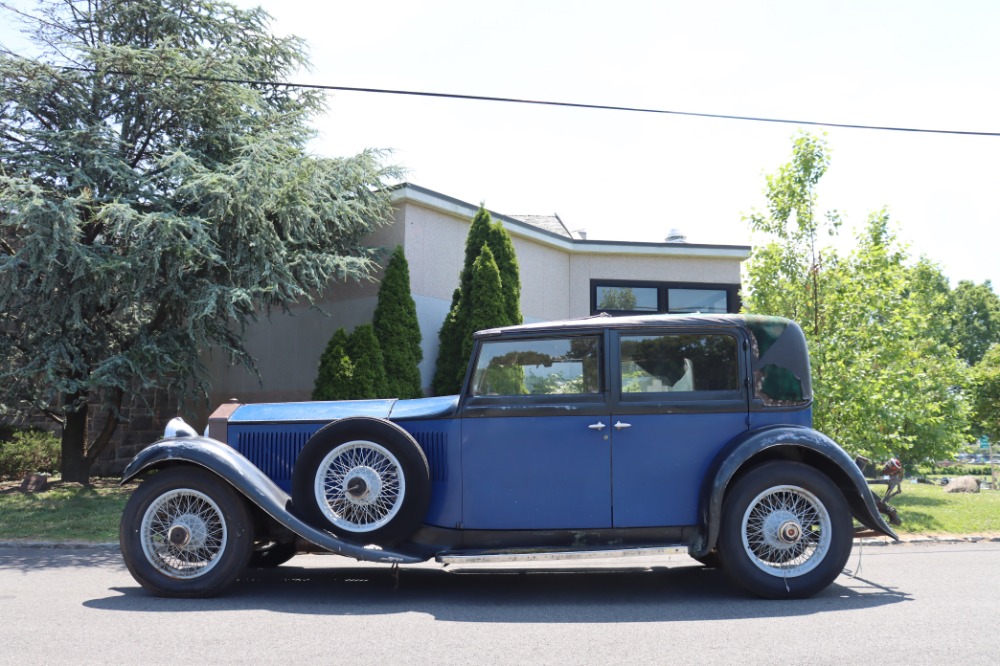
x,y
286,412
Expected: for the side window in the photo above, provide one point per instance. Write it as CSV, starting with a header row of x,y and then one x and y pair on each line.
x,y
679,363
544,366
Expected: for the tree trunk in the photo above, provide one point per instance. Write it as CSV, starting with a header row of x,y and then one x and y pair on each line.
x,y
75,466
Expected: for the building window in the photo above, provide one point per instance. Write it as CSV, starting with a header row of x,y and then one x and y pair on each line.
x,y
627,298
619,297
697,300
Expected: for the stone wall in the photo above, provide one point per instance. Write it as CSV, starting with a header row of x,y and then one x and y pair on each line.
x,y
145,420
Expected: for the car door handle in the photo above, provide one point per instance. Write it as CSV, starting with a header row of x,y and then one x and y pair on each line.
x,y
622,426
597,426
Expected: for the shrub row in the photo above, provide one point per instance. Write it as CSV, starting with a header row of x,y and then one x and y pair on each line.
x,y
26,451
953,470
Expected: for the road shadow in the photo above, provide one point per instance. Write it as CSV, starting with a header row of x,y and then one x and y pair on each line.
x,y
565,595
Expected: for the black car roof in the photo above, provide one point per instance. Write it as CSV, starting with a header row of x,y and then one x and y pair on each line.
x,y
634,321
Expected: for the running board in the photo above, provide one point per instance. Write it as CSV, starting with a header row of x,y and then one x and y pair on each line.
x,y
521,555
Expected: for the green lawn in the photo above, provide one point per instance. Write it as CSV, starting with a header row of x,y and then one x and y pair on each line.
x,y
70,512
928,509
65,512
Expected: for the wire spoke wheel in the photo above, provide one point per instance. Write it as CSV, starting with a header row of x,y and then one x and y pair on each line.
x,y
183,533
360,486
786,530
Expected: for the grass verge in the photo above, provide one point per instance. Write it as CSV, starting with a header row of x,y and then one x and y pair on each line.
x,y
927,509
71,512
64,512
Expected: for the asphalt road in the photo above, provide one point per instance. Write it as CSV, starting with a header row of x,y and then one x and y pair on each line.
x,y
907,604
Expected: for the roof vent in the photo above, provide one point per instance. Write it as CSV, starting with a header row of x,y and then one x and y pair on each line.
x,y
676,236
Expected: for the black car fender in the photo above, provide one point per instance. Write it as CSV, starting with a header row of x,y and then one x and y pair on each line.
x,y
784,442
234,469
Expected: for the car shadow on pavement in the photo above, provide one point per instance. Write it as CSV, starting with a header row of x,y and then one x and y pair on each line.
x,y
567,595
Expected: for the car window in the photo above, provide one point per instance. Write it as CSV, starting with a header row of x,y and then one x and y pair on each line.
x,y
544,366
678,363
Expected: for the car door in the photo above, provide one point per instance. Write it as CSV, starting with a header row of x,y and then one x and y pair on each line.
x,y
536,450
678,398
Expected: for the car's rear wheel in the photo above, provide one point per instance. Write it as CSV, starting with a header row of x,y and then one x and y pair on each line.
x,y
786,531
185,533
364,479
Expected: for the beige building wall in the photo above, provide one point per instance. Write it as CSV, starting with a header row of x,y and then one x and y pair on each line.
x,y
556,273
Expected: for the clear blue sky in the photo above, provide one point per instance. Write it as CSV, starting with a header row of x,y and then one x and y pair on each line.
x,y
628,176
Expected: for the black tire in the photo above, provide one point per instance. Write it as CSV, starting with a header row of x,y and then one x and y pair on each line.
x,y
711,560
272,554
786,531
185,532
363,479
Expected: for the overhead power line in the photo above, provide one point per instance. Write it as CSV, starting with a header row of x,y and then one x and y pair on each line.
x,y
538,102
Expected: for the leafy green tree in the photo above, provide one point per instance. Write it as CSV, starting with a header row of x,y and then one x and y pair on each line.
x,y
335,380
369,380
976,312
985,392
398,330
150,206
885,380
456,332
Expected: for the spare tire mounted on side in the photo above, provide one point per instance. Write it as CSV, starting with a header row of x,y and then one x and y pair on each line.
x,y
364,479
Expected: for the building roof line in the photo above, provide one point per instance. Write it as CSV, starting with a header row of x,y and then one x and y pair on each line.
x,y
457,207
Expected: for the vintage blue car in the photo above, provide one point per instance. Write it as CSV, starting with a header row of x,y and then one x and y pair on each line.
x,y
597,437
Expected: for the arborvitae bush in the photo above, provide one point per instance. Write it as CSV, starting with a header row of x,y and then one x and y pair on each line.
x,y
449,351
398,330
455,337
336,372
503,252
488,307
369,367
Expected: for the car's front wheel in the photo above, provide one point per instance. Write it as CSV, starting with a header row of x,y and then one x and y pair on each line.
x,y
185,533
786,531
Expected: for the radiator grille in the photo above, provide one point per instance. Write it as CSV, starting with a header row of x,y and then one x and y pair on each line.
x,y
273,452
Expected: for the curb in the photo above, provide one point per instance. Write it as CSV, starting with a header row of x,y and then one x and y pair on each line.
x,y
885,541
60,545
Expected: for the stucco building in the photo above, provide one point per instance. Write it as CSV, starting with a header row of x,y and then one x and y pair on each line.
x,y
562,275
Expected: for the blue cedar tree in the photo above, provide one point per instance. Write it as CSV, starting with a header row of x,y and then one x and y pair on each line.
x,y
149,216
